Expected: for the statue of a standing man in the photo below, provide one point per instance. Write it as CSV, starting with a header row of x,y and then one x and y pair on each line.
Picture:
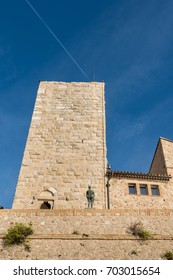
x,y
90,197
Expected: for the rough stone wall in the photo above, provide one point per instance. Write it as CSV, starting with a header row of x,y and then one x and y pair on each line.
x,y
89,234
163,159
83,249
121,199
158,164
167,147
65,150
44,222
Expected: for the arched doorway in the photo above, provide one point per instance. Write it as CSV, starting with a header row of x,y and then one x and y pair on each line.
x,y
45,205
46,199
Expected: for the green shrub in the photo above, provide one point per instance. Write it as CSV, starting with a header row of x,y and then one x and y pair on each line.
x,y
17,234
138,230
168,255
144,234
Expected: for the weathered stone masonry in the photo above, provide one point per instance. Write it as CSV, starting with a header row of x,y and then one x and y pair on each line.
x,y
66,152
66,149
89,234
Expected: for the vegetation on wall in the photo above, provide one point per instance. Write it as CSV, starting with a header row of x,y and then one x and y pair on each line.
x,y
168,255
17,235
138,230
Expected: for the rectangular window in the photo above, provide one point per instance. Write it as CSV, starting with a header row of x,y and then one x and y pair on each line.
x,y
155,190
132,188
143,189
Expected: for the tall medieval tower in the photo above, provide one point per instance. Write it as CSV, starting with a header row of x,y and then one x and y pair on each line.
x,y
66,149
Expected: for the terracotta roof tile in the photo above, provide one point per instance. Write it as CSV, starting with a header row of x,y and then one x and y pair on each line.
x,y
142,175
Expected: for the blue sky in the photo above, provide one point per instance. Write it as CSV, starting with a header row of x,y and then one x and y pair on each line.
x,y
129,43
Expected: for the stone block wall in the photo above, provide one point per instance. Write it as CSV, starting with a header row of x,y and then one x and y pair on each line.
x,y
121,199
167,146
158,163
163,158
89,234
66,149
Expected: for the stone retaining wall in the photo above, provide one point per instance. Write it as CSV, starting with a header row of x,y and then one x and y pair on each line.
x,y
89,234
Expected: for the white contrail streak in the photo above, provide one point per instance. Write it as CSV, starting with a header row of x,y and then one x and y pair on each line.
x,y
57,39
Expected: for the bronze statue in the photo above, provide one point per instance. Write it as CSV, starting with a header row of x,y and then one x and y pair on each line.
x,y
90,197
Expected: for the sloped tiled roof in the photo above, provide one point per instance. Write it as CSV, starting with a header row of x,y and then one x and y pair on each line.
x,y
137,175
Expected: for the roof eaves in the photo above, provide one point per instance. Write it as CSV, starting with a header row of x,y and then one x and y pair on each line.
x,y
140,175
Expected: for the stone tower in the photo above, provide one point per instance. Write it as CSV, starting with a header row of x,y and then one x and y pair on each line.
x,y
65,150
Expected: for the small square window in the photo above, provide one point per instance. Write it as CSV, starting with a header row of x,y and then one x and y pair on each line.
x,y
155,190
143,189
132,188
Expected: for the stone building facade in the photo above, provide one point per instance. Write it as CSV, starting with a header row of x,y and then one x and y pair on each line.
x,y
66,148
66,152
152,190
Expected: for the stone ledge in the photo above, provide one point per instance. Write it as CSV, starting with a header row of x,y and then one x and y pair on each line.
x,y
95,237
85,212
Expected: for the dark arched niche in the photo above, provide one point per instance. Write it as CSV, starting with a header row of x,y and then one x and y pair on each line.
x,y
45,205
